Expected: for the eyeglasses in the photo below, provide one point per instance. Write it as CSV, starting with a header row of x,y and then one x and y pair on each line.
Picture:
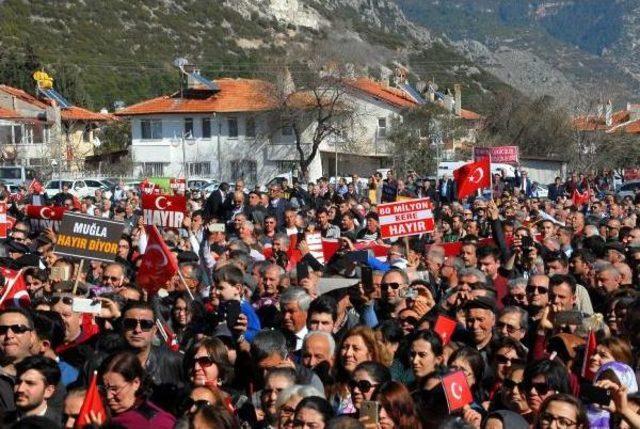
x,y
503,360
191,405
393,286
16,329
114,390
363,385
112,278
562,422
203,361
541,388
130,324
67,300
540,290
409,319
510,329
180,310
511,385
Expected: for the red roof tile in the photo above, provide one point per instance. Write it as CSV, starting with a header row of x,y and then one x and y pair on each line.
x,y
23,95
75,113
9,114
385,93
469,115
235,95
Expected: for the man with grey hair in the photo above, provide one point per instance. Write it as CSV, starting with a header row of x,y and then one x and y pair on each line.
x,y
469,276
513,322
294,304
517,292
269,350
318,346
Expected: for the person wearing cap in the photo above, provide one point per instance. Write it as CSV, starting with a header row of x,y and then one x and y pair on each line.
x,y
615,252
371,231
480,319
16,249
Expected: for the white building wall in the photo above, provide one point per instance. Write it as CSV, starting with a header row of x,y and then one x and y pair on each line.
x,y
270,151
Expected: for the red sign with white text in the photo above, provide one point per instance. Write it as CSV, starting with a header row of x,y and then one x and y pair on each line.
x,y
178,185
501,154
405,218
164,210
3,220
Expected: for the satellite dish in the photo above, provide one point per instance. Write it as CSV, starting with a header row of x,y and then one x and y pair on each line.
x,y
96,142
421,86
180,62
9,153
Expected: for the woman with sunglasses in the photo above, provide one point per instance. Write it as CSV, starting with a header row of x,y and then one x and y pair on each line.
x,y
543,379
208,364
507,352
366,378
511,395
124,383
561,411
359,345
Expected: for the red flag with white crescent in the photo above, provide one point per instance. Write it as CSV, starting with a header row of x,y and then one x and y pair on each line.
x,y
456,390
472,176
45,212
15,292
158,264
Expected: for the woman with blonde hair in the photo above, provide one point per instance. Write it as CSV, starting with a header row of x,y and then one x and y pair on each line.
x,y
360,344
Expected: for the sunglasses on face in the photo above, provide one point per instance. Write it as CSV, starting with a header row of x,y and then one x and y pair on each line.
x,y
409,319
393,286
363,385
203,361
511,385
112,278
540,290
510,329
67,300
541,388
503,360
130,324
16,329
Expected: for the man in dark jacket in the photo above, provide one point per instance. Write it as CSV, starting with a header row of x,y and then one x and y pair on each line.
x,y
214,206
556,189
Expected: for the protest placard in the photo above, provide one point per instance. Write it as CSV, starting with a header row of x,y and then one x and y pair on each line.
x,y
88,237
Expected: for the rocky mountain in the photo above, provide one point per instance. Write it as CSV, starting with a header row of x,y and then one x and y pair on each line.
x,y
573,49
104,51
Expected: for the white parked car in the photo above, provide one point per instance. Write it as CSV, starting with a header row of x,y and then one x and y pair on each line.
x,y
80,188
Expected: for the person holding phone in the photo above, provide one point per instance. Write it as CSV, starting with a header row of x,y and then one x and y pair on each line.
x,y
229,286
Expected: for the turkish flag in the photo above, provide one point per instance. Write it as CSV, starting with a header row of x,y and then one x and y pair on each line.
x,y
15,292
473,176
45,212
580,198
445,327
589,350
92,404
329,248
158,264
173,203
456,390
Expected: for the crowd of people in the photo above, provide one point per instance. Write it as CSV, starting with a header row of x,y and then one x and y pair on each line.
x,y
256,330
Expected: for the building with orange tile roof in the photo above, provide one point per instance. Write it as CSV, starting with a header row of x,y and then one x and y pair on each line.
x,y
230,128
35,125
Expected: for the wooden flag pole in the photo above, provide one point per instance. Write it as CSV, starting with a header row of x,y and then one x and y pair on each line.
x,y
80,268
184,282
